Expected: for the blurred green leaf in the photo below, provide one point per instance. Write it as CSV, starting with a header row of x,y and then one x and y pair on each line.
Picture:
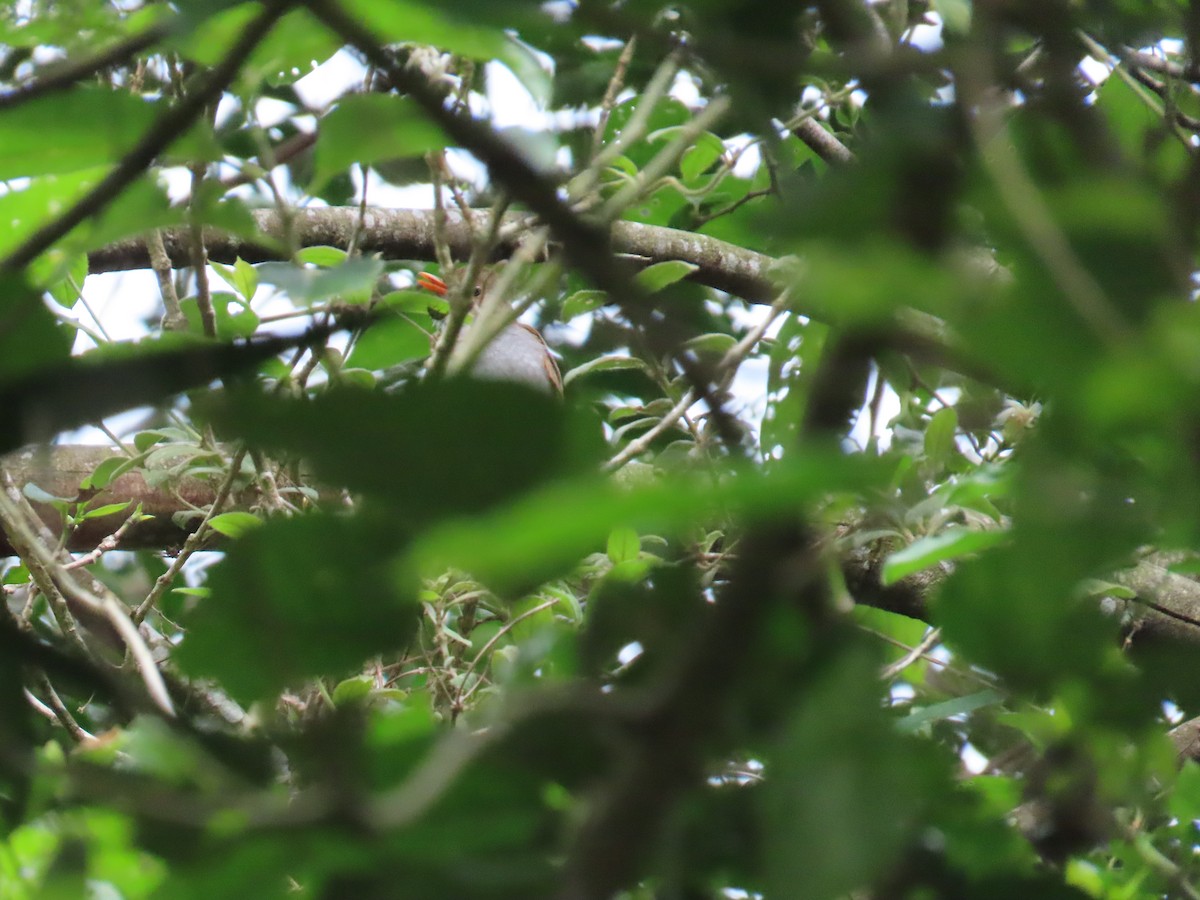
x,y
533,539
946,709
79,129
933,549
417,449
234,524
352,281
825,836
290,601
388,343
367,128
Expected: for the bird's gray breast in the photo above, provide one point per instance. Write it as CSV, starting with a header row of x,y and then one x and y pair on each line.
x,y
516,354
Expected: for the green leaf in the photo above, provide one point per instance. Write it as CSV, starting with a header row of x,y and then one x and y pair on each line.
x,y
956,15
603,364
107,510
104,473
66,290
795,357
581,302
415,302
241,276
16,575
465,33
524,63
234,319
715,344
322,257
113,378
388,343
824,835
39,495
352,281
623,545
937,548
78,129
1097,587
939,436
419,449
654,278
352,690
1017,619
290,602
957,706
535,538
234,524
368,128
701,156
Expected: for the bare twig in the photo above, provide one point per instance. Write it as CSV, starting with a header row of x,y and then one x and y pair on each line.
x,y
105,607
932,636
464,693
109,542
58,710
727,366
822,142
610,94
173,318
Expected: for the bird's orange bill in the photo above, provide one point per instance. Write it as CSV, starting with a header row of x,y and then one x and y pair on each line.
x,y
432,283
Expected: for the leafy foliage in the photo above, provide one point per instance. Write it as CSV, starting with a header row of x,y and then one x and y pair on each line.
x,y
858,557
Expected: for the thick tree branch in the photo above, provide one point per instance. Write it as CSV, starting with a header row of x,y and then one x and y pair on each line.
x,y
59,470
411,234
1167,605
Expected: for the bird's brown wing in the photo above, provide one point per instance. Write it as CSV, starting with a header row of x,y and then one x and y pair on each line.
x,y
549,364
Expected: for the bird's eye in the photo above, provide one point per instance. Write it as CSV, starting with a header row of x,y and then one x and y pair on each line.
x,y
479,290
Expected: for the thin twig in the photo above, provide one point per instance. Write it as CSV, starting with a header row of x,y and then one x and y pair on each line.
x,y
59,710
108,542
105,607
464,695
204,301
932,636
610,93
727,365
194,540
173,318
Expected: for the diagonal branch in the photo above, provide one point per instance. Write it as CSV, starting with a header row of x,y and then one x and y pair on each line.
x,y
170,125
70,72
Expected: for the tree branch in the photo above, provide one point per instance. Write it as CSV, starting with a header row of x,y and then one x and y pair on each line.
x,y
1167,606
67,73
412,234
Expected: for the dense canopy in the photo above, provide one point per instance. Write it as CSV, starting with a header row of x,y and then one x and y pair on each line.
x,y
856,558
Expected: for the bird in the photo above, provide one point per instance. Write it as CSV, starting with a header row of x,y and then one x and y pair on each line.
x,y
517,354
